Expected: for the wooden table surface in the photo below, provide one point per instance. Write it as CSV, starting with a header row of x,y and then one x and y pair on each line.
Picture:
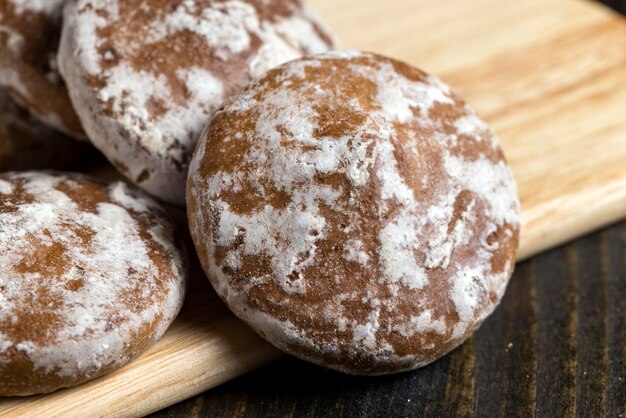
x,y
555,347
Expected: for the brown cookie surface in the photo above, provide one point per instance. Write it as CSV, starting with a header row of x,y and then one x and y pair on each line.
x,y
355,212
145,80
92,274
29,39
26,143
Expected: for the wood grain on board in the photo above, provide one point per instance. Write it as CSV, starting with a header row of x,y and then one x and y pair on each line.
x,y
550,76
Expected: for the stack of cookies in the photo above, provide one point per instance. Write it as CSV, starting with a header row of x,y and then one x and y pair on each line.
x,y
352,209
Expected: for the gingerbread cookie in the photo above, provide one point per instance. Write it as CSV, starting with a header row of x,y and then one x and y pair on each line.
x,y
355,212
145,80
92,275
29,39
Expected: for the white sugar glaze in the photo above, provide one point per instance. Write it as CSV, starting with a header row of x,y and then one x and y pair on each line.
x,y
434,248
104,258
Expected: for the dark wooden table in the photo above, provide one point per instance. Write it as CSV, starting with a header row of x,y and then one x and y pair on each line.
x,y
556,347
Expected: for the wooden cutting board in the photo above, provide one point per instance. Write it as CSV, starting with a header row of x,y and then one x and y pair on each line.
x,y
549,75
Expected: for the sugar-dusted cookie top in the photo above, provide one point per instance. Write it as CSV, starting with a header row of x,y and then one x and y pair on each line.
x,y
145,80
355,212
92,274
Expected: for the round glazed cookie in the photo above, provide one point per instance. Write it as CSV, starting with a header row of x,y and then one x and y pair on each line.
x,y
29,39
25,143
92,274
355,212
145,80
